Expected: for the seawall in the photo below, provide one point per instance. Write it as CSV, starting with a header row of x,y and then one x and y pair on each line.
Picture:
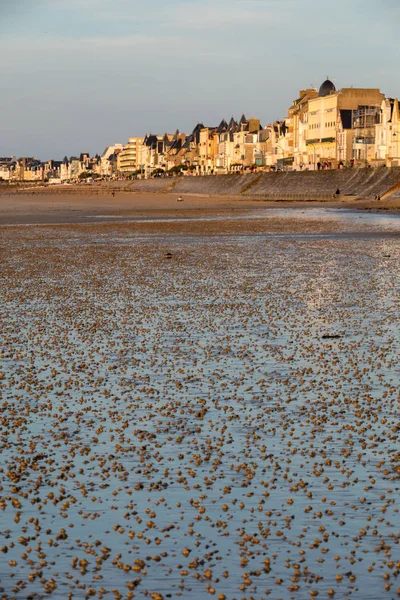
x,y
292,185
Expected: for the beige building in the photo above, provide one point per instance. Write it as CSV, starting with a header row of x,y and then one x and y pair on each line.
x,y
238,144
279,146
105,164
393,136
287,148
207,149
128,159
339,122
4,173
387,134
245,141
297,123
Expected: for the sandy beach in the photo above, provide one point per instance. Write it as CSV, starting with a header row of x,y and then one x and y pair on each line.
x,y
78,204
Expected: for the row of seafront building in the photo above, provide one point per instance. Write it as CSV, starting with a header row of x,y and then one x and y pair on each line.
x,y
74,168
325,128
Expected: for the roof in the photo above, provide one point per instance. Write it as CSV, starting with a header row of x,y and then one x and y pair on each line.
x,y
326,88
222,127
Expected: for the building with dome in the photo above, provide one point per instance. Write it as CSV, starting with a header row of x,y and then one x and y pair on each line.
x,y
326,88
332,118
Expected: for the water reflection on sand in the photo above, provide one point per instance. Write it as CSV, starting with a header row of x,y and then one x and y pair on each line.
x,y
221,419
347,217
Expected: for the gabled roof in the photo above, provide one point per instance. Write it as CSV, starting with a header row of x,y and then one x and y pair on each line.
x,y
395,109
222,127
150,140
391,101
198,127
196,132
232,125
176,145
188,140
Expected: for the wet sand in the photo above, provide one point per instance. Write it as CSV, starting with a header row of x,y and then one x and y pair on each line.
x,y
201,406
78,204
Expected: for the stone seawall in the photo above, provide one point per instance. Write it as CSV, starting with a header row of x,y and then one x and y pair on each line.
x,y
305,185
361,183
229,185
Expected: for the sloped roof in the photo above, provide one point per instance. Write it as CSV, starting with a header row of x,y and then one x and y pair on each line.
x,y
222,127
232,125
176,145
150,140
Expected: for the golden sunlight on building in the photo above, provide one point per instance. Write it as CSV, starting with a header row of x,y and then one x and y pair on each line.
x,y
128,158
339,119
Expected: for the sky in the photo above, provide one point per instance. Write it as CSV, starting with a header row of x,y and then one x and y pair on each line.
x,y
79,75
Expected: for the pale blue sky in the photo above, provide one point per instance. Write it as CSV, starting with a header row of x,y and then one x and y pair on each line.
x,y
78,75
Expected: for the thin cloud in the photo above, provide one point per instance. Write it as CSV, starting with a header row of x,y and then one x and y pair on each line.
x,y
191,14
141,48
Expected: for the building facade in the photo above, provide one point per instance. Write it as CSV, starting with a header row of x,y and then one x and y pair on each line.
x,y
129,157
341,125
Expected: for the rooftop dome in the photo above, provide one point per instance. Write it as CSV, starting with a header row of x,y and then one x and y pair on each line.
x,y
326,88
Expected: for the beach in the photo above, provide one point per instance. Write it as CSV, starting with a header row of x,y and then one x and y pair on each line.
x,y
198,400
75,204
